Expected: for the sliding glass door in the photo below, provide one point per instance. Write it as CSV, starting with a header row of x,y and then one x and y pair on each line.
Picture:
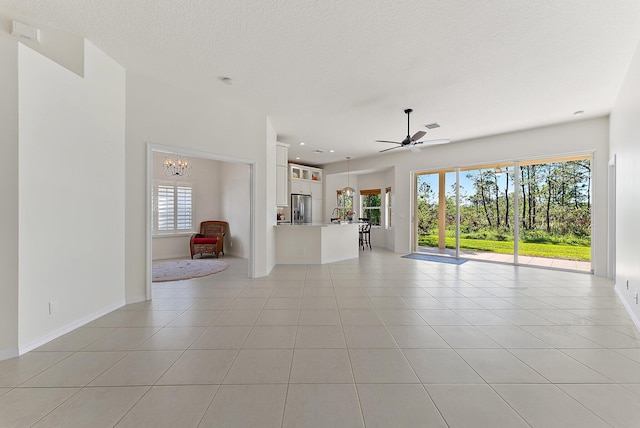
x,y
555,213
527,212
486,213
436,212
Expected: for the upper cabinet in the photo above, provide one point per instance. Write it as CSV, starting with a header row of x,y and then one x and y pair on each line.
x,y
303,172
308,180
282,154
282,189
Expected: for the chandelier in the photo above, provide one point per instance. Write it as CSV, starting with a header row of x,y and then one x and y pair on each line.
x,y
177,166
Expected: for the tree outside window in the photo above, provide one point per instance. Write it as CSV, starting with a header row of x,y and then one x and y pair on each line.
x,y
344,204
371,204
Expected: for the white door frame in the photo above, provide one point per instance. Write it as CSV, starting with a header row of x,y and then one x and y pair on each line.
x,y
611,215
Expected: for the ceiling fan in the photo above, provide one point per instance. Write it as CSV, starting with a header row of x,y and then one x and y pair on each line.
x,y
410,141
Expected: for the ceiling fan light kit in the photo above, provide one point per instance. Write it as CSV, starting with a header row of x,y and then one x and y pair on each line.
x,y
412,141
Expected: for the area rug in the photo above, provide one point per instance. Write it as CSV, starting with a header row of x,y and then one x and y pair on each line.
x,y
439,259
185,269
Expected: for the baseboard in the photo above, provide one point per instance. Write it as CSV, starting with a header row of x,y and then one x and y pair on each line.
x,y
8,353
23,349
133,300
628,308
173,257
330,260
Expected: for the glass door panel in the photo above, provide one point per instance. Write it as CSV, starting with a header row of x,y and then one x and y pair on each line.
x,y
486,213
555,213
436,213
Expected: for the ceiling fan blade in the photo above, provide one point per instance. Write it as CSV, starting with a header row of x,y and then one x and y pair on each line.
x,y
434,142
391,148
412,141
418,135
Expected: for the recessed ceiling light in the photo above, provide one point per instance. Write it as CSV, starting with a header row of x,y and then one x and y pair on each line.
x,y
578,113
332,151
302,144
433,125
297,157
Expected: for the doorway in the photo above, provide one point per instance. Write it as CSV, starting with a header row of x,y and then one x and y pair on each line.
x,y
216,188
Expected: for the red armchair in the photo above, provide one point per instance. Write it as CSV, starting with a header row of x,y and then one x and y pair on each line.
x,y
210,240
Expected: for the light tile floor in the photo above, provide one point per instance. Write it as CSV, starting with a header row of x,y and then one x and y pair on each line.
x,y
380,341
509,258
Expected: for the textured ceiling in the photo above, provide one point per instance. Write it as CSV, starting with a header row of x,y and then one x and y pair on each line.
x,y
337,74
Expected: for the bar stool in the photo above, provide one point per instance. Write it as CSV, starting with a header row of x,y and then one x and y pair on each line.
x,y
365,233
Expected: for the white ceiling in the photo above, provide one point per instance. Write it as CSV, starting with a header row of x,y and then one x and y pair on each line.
x,y
337,74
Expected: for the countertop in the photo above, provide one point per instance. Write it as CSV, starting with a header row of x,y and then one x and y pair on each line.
x,y
315,224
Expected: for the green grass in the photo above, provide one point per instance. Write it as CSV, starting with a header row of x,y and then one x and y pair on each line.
x,y
556,251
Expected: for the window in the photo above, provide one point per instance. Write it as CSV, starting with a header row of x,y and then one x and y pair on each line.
x,y
345,203
173,207
387,203
370,202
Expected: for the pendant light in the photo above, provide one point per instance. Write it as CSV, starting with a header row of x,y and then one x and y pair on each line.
x,y
348,191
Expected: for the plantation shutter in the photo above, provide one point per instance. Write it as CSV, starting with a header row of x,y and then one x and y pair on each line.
x,y
165,208
183,208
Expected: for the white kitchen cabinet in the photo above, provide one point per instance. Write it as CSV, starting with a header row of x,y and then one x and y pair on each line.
x,y
282,154
308,180
282,175
305,173
301,186
282,192
317,209
315,189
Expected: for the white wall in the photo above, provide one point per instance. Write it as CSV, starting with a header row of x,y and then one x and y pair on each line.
x,y
380,237
270,198
9,192
332,183
625,145
207,203
66,49
235,207
573,137
71,193
359,180
223,125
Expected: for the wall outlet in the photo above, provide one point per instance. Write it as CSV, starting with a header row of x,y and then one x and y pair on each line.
x,y
53,307
231,244
627,284
636,297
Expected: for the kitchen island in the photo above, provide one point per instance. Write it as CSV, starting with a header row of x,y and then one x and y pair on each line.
x,y
316,243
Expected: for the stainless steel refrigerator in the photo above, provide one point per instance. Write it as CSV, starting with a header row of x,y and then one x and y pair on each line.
x,y
300,208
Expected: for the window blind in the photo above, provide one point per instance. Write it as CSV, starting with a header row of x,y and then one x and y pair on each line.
x,y
173,207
